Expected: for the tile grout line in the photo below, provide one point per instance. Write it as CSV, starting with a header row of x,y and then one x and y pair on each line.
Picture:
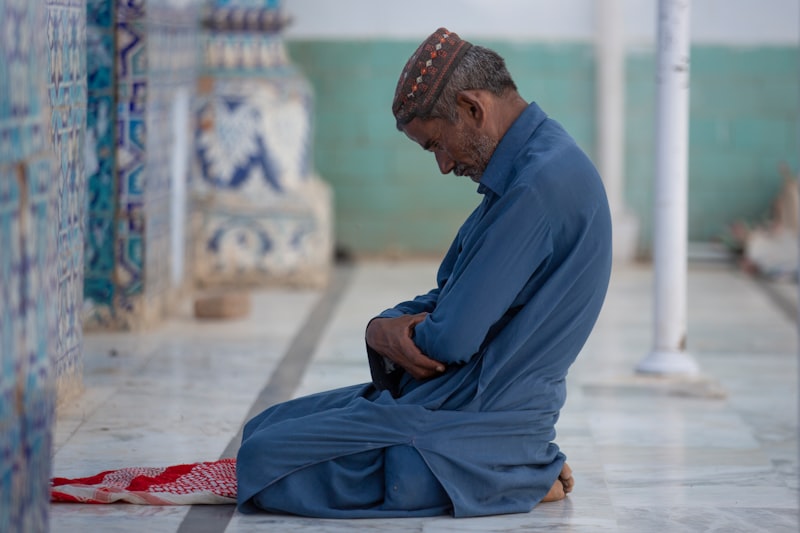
x,y
282,383
86,415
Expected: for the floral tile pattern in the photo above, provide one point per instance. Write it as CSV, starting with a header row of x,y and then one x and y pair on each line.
x,y
264,216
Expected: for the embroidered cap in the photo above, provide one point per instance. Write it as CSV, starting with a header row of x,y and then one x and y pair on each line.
x,y
426,73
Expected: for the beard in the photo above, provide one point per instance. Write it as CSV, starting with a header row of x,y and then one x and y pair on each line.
x,y
481,147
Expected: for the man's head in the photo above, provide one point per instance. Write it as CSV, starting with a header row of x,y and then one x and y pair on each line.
x,y
449,100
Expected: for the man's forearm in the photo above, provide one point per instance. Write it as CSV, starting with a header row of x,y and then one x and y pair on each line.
x,y
393,338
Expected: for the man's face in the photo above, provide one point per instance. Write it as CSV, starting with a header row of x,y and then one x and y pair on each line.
x,y
458,148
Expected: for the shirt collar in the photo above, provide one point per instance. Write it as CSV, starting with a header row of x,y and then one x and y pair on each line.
x,y
495,177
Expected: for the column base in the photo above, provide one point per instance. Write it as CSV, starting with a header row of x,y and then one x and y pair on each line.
x,y
280,240
668,362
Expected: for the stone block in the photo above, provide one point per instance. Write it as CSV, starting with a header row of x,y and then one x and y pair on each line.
x,y
222,305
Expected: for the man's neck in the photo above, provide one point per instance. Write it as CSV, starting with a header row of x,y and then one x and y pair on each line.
x,y
508,108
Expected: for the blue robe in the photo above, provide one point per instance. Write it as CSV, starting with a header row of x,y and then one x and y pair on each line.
x,y
517,295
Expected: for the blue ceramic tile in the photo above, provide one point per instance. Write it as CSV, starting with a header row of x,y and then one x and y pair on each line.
x,y
129,165
253,147
257,4
27,274
67,90
100,61
101,158
99,13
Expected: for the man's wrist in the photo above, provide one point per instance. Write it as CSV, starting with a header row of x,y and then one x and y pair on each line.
x,y
367,331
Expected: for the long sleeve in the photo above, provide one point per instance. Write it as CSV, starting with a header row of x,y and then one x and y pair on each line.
x,y
501,252
385,375
426,303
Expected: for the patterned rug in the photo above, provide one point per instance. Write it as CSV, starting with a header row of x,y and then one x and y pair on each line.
x,y
198,483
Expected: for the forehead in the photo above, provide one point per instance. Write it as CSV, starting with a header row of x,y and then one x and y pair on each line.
x,y
423,132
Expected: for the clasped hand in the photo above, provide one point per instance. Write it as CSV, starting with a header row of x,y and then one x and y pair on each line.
x,y
393,338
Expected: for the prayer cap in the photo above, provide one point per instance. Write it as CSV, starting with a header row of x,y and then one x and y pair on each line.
x,y
426,73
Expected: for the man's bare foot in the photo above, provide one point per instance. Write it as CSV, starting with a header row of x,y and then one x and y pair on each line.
x,y
562,486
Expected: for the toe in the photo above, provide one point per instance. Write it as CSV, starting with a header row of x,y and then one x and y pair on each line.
x,y
566,478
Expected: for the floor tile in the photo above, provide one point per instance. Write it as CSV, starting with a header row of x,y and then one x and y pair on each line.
x,y
647,456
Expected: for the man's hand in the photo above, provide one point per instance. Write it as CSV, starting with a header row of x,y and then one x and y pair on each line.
x,y
393,339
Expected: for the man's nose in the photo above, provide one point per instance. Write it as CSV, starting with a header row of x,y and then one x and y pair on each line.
x,y
446,165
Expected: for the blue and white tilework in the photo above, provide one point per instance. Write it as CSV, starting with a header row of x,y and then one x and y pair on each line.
x,y
131,145
152,48
66,36
172,26
39,233
99,286
254,137
257,4
262,213
28,268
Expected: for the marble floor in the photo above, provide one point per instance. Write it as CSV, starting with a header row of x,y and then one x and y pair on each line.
x,y
716,454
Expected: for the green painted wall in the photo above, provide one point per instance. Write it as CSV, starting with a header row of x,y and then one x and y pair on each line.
x,y
390,196
743,124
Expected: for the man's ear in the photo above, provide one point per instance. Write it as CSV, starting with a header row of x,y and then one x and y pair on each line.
x,y
472,106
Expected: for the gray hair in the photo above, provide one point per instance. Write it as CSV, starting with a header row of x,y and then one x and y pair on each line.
x,y
479,69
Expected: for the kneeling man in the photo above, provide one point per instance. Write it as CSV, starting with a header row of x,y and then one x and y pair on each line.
x,y
468,379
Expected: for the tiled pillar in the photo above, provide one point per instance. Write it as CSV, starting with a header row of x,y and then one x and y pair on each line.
x,y
173,62
143,59
99,285
261,214
42,105
66,31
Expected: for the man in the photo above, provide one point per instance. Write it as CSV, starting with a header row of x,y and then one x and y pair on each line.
x,y
468,379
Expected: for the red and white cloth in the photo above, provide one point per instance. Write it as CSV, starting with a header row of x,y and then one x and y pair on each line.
x,y
198,483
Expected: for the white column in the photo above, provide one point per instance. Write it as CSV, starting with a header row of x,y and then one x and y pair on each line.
x,y
610,52
669,355
610,47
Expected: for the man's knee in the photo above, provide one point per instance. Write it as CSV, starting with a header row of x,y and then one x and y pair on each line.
x,y
410,484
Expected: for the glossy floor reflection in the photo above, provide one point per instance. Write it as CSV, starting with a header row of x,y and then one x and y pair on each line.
x,y
716,454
